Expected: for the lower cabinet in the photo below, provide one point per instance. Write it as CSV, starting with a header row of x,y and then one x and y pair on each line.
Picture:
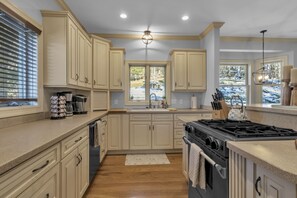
x,y
103,138
47,186
75,172
269,185
146,132
118,132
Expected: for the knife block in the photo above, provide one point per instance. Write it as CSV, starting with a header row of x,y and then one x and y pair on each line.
x,y
219,114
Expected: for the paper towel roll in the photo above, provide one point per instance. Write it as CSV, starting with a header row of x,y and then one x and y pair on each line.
x,y
294,76
193,102
287,72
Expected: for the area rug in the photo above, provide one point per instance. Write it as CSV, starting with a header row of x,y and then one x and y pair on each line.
x,y
146,159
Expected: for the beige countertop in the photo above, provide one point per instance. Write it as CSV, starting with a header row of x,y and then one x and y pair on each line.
x,y
280,157
142,110
21,142
288,110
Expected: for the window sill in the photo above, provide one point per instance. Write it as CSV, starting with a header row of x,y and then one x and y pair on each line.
x,y
6,112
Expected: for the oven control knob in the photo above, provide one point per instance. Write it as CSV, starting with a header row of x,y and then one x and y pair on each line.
x,y
215,145
208,140
191,129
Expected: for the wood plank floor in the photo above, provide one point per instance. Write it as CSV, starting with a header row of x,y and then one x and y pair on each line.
x,y
114,179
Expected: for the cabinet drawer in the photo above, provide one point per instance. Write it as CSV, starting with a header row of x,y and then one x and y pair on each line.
x,y
71,142
179,124
142,117
179,133
194,116
47,186
17,180
178,143
162,117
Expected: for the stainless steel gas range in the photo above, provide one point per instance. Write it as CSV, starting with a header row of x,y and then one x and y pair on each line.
x,y
211,136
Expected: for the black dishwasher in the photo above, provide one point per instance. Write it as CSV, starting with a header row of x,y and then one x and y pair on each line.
x,y
94,150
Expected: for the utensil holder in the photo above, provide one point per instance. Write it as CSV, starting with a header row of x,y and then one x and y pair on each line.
x,y
294,95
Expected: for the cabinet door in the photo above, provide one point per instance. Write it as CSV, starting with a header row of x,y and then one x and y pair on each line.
x,y
180,70
83,168
69,175
140,135
116,69
185,167
81,59
272,186
162,135
47,186
196,71
72,54
100,64
88,64
114,132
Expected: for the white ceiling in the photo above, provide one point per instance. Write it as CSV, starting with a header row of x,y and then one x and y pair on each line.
x,y
242,17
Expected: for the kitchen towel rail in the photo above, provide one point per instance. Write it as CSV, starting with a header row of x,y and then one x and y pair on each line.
x,y
221,170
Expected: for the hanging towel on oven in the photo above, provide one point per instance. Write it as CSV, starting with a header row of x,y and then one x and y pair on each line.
x,y
97,134
197,167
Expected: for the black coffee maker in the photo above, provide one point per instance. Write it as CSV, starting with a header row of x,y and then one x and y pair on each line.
x,y
79,104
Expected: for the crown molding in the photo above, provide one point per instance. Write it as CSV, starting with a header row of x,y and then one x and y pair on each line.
x,y
255,39
139,36
210,27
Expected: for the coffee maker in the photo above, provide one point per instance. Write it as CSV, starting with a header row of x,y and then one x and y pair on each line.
x,y
69,105
79,104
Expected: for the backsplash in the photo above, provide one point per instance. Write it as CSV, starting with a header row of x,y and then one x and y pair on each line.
x,y
178,100
16,120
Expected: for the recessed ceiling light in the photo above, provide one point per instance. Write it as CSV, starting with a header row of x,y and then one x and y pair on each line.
x,y
123,16
185,18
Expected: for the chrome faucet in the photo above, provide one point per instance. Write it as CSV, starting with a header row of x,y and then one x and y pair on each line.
x,y
150,100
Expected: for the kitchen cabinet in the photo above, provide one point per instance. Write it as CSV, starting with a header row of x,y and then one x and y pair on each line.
x,y
116,72
75,171
103,137
118,132
188,70
151,131
66,51
47,186
101,49
75,164
271,186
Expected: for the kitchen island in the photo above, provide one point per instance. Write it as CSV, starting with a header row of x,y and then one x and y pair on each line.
x,y
265,167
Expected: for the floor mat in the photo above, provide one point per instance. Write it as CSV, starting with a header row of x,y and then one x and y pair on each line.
x,y
146,159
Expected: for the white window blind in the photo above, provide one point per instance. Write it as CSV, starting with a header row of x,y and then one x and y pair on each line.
x,y
18,63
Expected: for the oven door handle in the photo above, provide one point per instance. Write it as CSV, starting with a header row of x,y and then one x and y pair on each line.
x,y
221,170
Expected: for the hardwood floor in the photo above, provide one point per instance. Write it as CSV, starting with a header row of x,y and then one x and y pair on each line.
x,y
115,180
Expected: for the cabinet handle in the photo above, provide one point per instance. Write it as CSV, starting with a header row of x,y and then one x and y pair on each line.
x,y
76,76
149,127
256,185
41,167
79,160
175,84
94,82
47,195
153,127
78,140
86,80
103,150
189,84
121,83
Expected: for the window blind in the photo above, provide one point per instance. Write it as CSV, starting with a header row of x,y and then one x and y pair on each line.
x,y
18,63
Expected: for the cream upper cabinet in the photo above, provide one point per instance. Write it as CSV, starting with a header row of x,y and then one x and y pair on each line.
x,y
162,135
140,135
100,63
64,51
88,64
188,70
116,78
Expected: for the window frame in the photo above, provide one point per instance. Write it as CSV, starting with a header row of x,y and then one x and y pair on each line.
x,y
247,81
147,65
23,110
259,88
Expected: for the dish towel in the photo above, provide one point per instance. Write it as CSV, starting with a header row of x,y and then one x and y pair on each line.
x,y
197,167
97,134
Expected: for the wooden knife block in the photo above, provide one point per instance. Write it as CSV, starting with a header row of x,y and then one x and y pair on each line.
x,y
219,114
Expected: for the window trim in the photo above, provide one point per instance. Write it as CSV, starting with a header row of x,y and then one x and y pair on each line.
x,y
258,89
247,80
23,110
145,63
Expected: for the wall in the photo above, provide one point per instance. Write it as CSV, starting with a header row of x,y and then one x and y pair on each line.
x,y
158,50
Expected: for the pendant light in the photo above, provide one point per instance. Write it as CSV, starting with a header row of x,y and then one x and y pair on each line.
x,y
262,75
147,38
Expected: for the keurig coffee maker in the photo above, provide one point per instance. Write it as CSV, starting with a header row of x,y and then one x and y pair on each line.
x,y
79,104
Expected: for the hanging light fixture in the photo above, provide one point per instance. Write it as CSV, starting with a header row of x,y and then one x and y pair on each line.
x,y
147,38
262,75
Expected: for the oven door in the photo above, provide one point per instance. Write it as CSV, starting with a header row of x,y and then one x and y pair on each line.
x,y
216,183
